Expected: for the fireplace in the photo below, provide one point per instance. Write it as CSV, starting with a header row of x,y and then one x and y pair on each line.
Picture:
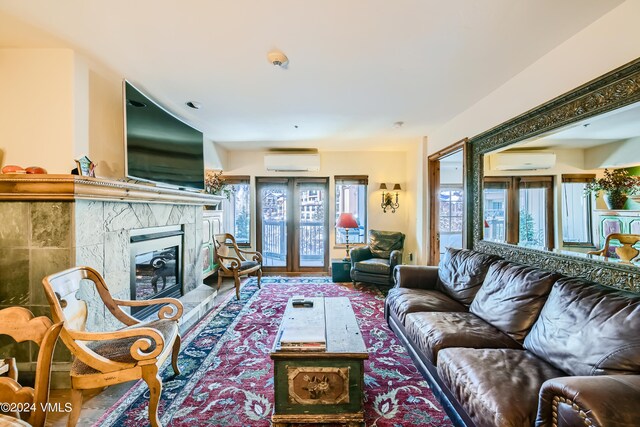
x,y
156,266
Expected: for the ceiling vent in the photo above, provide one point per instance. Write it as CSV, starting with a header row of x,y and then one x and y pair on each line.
x,y
290,162
521,160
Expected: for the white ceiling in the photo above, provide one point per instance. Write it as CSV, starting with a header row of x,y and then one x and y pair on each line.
x,y
356,66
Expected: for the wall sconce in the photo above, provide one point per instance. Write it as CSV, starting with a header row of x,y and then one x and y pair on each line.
x,y
387,198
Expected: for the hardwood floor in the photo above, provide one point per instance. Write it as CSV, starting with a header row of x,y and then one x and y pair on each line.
x,y
96,402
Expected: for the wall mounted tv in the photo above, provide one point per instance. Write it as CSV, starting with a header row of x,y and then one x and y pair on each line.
x,y
159,147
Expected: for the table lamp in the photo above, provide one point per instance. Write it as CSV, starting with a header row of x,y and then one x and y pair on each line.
x,y
346,220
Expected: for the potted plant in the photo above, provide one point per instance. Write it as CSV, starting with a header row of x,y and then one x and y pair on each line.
x,y
214,183
616,185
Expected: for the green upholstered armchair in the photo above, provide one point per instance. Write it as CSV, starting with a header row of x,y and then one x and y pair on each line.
x,y
374,263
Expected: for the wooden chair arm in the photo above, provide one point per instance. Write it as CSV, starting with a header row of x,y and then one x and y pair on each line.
x,y
257,256
138,348
598,252
172,311
235,263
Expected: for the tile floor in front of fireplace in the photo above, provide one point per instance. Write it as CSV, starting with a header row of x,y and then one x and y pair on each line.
x,y
96,402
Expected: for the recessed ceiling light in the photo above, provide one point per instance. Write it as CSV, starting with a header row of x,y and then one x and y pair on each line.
x,y
398,124
193,104
135,103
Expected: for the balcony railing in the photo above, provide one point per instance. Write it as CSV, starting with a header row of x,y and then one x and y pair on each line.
x,y
274,243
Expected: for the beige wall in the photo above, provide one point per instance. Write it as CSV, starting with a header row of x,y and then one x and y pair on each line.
x,y
381,166
37,108
624,153
56,107
215,156
105,121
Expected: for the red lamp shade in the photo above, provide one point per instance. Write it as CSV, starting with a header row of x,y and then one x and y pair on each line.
x,y
346,220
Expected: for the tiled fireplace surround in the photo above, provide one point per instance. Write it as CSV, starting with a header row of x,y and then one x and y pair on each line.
x,y
41,237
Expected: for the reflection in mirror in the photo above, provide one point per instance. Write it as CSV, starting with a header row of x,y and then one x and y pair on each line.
x,y
534,191
451,202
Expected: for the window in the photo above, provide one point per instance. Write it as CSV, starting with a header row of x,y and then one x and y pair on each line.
x,y
495,210
351,196
534,217
451,216
576,211
237,209
519,210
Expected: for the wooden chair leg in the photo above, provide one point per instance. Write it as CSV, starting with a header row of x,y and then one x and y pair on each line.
x,y
259,274
76,407
236,279
174,355
219,279
151,377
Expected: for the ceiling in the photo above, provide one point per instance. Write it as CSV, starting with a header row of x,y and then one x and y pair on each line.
x,y
355,67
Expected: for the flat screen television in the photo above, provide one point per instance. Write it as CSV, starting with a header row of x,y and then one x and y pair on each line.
x,y
159,147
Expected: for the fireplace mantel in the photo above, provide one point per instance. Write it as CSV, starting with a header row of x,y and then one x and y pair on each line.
x,y
53,222
74,187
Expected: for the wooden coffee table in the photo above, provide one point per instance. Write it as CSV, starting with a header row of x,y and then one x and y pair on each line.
x,y
314,385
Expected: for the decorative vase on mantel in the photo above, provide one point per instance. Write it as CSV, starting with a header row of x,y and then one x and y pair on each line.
x,y
615,199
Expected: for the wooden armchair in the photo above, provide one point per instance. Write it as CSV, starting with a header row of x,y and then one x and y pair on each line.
x,y
20,324
626,252
135,351
235,266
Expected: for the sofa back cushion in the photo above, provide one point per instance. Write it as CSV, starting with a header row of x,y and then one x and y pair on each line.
x,y
512,296
461,272
588,329
382,243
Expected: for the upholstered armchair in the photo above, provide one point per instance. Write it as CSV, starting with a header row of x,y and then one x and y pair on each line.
x,y
374,263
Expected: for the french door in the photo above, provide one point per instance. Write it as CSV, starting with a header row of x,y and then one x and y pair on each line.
x,y
446,200
293,223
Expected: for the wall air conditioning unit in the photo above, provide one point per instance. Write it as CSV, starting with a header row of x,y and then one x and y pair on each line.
x,y
291,162
521,160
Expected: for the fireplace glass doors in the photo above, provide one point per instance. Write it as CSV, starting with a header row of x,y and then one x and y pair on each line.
x,y
156,261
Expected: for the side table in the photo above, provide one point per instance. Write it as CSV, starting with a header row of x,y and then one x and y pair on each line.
x,y
340,270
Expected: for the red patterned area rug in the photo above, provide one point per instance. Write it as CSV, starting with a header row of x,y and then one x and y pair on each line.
x,y
227,374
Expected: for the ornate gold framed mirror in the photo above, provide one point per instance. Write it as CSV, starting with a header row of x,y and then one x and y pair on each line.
x,y
609,94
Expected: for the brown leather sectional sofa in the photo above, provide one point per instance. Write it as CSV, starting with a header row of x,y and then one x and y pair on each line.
x,y
504,344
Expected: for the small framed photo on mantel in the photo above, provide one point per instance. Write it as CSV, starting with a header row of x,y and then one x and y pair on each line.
x,y
86,167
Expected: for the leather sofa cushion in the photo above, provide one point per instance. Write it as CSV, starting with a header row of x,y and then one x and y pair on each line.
x,y
588,329
381,243
496,387
374,265
402,301
461,273
512,296
435,331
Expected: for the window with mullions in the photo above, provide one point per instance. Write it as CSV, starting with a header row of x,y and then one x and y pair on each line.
x,y
351,196
237,208
451,216
576,211
519,210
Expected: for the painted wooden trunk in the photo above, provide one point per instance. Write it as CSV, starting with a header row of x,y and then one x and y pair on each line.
x,y
320,386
